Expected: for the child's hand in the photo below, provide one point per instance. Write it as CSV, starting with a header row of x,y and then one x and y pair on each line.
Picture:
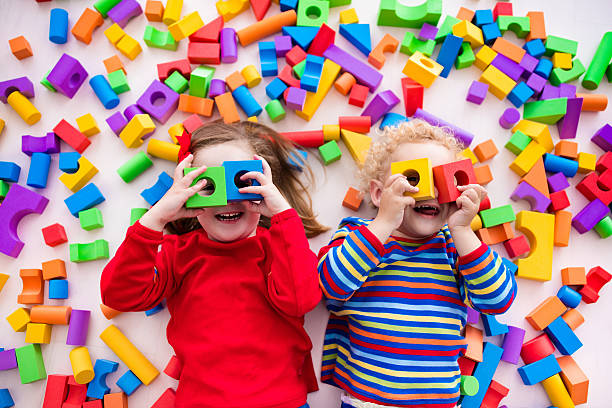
x,y
171,206
466,205
273,201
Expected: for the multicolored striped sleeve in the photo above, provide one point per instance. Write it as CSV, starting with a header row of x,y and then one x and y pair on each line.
x,y
345,262
490,287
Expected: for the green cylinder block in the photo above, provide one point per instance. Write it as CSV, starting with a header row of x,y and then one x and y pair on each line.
x,y
599,63
134,167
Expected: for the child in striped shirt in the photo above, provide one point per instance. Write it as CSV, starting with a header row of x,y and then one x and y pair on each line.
x,y
397,286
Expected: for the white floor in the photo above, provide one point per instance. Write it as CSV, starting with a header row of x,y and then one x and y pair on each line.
x,y
445,98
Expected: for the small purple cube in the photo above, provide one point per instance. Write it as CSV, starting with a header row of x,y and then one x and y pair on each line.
x,y
229,46
295,98
67,75
557,182
550,92
477,92
603,137
536,83
529,64
428,32
509,118
217,87
116,122
124,12
567,91
283,45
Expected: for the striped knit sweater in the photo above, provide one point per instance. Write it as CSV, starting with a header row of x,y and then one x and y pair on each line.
x,y
397,311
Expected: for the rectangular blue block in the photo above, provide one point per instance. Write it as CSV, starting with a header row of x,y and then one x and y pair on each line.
x,y
520,94
129,382
58,289
87,197
39,170
312,73
6,401
563,337
539,370
448,53
484,371
233,171
275,89
69,162
267,58
9,171
492,326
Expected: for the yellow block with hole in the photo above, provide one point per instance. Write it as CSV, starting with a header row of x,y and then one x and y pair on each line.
x,y
422,69
499,83
77,180
417,171
539,228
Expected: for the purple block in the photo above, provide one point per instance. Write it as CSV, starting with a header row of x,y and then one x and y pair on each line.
x,y
428,32
77,329
586,219
538,201
529,64
295,98
568,125
536,82
463,136
217,87
8,359
283,45
67,75
132,111
550,92
472,315
513,341
18,203
603,137
21,84
382,103
477,92
116,122
557,182
364,74
507,66
567,91
509,118
229,46
159,101
124,11
45,144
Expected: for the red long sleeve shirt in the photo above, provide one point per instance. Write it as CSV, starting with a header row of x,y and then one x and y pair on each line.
x,y
236,310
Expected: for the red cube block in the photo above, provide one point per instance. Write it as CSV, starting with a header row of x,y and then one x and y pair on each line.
x,y
358,95
558,201
54,235
295,55
517,246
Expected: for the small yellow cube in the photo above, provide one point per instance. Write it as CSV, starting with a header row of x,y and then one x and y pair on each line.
x,y
562,60
469,32
586,162
19,319
114,33
349,16
252,119
186,26
469,154
484,57
129,47
87,125
39,333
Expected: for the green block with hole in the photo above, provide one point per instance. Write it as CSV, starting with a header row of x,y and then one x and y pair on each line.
x,y
312,13
91,219
199,81
136,214
330,152
159,39
604,227
394,14
521,26
563,76
177,82
497,216
411,43
518,142
466,56
558,44
548,111
89,252
4,188
298,69
446,28
275,110
214,176
31,364
47,84
118,81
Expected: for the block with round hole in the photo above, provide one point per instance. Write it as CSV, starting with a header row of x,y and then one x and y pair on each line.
x,y
419,174
312,13
448,176
233,171
215,178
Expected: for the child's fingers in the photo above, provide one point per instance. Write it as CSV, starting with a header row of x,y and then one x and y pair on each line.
x,y
197,186
178,171
257,176
253,190
480,190
267,170
392,179
408,201
192,175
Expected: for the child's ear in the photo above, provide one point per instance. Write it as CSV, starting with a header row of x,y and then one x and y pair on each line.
x,y
376,189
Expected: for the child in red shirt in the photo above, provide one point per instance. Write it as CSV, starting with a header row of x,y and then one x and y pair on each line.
x,y
237,279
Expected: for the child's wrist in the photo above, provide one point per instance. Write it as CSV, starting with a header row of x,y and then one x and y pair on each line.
x,y
152,221
381,228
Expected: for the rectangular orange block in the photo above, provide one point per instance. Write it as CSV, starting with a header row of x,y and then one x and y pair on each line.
x,y
154,10
227,108
20,47
573,276
510,50
235,80
537,26
563,226
573,318
495,235
545,313
575,380
473,337
567,149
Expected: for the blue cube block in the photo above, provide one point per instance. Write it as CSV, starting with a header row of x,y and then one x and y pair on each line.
x,y
58,289
9,171
490,32
535,48
520,94
288,5
128,382
69,162
544,68
275,89
539,370
563,337
482,17
492,326
87,197
233,171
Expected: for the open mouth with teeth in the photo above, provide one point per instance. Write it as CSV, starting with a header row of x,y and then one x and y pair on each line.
x,y
229,216
427,210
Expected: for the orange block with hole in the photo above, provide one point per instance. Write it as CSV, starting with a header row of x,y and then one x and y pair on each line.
x,y
86,24
495,235
573,318
33,287
510,50
345,83
573,276
113,64
536,26
227,108
195,104
465,14
483,174
352,199
536,178
486,150
20,47
545,313
567,149
235,80
563,226
54,269
154,10
575,380
473,337
377,55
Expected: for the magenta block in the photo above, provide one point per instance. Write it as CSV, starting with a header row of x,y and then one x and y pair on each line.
x,y
463,136
382,103
45,144
568,125
477,92
67,75
507,66
550,92
77,329
603,137
590,215
132,111
365,74
513,341
229,46
472,315
538,201
124,11
217,87
116,122
8,359
428,32
567,91
536,82
557,182
18,203
21,84
529,64
159,101
295,98
509,118
283,45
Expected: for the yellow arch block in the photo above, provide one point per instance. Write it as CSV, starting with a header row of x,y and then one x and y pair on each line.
x,y
539,228
76,181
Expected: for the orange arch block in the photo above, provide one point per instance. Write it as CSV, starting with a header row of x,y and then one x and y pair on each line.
x,y
33,287
377,55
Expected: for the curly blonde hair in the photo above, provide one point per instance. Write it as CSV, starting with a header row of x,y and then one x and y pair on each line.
x,y
378,159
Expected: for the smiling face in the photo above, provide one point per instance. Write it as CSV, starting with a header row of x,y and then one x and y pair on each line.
x,y
427,216
235,220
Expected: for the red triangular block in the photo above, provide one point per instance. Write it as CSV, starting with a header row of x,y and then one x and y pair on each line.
x,y
208,33
260,8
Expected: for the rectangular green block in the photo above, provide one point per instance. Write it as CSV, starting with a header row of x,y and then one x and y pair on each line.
x,y
298,69
466,56
563,76
91,219
446,28
159,39
215,177
177,82
4,188
558,44
199,81
411,43
395,14
548,111
136,214
518,142
47,84
31,364
118,81
497,216
312,13
330,152
89,252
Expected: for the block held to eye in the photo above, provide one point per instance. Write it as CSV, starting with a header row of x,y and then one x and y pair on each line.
x,y
215,177
233,171
419,174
